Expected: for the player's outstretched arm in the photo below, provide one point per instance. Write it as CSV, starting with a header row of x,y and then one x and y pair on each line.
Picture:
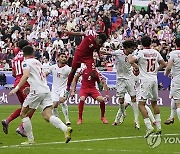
x,y
23,80
74,33
104,51
168,68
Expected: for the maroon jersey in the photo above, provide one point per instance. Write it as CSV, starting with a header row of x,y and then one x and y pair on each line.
x,y
89,82
87,47
16,66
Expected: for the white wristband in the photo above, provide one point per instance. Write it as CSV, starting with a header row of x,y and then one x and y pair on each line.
x,y
17,87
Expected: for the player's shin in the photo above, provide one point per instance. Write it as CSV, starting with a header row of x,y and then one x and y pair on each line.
x,y
81,108
173,109
28,128
178,113
55,121
136,111
65,112
150,114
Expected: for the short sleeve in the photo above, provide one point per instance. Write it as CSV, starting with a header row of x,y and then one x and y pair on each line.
x,y
25,66
138,55
171,56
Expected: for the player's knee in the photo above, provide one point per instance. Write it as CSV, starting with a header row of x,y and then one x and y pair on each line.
x,y
133,98
82,98
55,105
121,100
100,99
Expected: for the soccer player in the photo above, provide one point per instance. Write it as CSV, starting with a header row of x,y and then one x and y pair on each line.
x,y
39,96
84,54
88,88
125,80
60,72
173,66
21,93
148,61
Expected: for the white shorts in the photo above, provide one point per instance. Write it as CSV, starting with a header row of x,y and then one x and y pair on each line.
x,y
34,101
175,90
124,86
56,94
148,90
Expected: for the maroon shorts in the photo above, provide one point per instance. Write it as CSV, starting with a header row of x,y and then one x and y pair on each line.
x,y
77,60
93,92
20,93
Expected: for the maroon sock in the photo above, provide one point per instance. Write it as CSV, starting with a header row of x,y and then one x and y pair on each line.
x,y
81,108
102,107
14,115
70,78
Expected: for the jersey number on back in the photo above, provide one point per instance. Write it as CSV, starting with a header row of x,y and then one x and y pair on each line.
x,y
18,67
151,65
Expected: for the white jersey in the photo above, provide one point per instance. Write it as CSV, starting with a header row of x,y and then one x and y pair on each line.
x,y
37,79
124,68
148,61
175,57
60,76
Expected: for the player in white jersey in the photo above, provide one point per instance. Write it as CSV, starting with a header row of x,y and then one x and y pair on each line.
x,y
125,80
60,72
148,61
39,96
174,67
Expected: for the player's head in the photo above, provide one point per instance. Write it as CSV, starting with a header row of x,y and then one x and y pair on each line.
x,y
101,38
146,41
177,41
129,46
62,58
22,43
28,51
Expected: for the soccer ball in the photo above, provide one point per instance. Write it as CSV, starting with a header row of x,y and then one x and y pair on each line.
x,y
115,45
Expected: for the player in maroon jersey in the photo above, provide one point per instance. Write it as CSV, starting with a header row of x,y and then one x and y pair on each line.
x,y
84,54
21,93
88,88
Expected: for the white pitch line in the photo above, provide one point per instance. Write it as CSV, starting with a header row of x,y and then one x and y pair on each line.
x,y
80,141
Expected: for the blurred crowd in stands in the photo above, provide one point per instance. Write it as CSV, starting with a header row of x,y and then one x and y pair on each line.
x,y
41,23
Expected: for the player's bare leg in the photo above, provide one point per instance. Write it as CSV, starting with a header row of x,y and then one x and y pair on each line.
x,y
80,109
102,107
157,116
55,121
55,109
136,112
170,120
147,121
120,112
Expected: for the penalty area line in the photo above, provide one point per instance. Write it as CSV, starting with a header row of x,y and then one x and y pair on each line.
x,y
79,141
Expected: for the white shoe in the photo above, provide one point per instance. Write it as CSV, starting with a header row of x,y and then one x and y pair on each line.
x,y
149,132
27,143
137,124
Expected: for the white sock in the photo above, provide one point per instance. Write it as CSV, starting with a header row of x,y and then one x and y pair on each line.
x,y
121,106
65,111
173,108
136,111
55,112
158,121
148,123
178,113
118,115
150,114
28,128
58,123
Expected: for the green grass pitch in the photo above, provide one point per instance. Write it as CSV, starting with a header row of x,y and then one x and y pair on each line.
x,y
91,137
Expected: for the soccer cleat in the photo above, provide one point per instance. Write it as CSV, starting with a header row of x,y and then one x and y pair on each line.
x,y
66,94
68,123
79,121
5,126
149,132
137,124
27,143
104,120
68,134
159,131
169,121
114,124
121,120
21,132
